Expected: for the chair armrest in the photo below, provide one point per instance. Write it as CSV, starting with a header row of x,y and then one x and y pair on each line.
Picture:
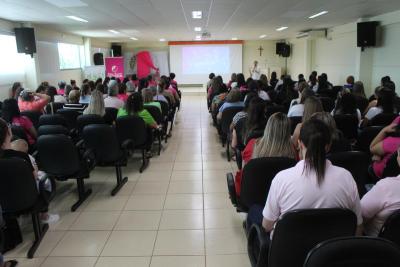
x,y
128,143
80,144
89,158
230,180
258,242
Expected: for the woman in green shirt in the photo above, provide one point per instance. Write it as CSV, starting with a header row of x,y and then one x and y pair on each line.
x,y
148,99
134,106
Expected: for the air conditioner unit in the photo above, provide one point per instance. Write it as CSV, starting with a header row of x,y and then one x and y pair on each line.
x,y
312,34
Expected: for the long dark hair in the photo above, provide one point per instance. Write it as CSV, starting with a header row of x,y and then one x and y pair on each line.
x,y
256,119
386,99
315,136
240,80
10,109
134,103
346,104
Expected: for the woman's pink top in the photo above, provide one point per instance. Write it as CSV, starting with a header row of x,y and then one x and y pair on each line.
x,y
26,124
123,97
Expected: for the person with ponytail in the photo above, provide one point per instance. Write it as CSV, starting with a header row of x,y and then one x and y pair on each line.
x,y
314,183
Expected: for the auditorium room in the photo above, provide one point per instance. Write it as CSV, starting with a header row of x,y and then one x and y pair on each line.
x,y
199,133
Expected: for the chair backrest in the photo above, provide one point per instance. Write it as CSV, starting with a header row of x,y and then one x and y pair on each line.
x,y
131,128
297,232
348,124
70,116
55,119
240,127
18,132
354,252
87,119
56,106
227,116
102,139
274,109
164,108
155,113
366,136
33,116
327,103
382,119
18,190
356,163
293,123
58,156
391,228
392,168
52,129
257,177
111,115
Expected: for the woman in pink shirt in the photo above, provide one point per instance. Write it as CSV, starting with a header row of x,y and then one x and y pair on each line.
x,y
11,114
30,101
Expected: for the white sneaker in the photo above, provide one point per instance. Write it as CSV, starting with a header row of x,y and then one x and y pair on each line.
x,y
52,218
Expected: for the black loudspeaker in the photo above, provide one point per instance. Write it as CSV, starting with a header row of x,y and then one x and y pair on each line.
x,y
25,38
279,48
286,51
117,50
98,59
366,33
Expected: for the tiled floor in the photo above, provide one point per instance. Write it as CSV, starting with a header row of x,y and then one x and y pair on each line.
x,y
176,213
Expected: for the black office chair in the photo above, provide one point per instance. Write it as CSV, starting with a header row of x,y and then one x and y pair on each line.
x,y
272,109
239,128
293,123
134,130
327,103
256,180
355,252
157,116
61,160
84,120
19,195
111,115
366,136
225,123
52,119
18,133
103,141
52,129
33,116
70,117
382,119
391,228
296,233
356,163
348,125
164,112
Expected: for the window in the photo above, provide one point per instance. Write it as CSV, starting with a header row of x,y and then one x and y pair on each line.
x,y
71,56
12,64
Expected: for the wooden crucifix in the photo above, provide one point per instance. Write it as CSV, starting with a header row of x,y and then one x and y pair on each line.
x,y
261,50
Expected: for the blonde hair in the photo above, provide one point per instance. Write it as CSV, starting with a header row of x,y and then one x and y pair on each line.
x,y
311,105
276,140
96,104
147,95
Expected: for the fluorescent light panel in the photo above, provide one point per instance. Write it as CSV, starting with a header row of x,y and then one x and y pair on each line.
x,y
263,36
197,14
113,31
197,29
318,14
133,38
234,38
281,29
162,40
77,18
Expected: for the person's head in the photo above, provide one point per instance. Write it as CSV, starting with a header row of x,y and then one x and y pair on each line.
x,y
41,89
264,79
98,81
306,93
96,103
346,104
68,89
386,100
85,81
211,76
106,81
172,76
20,145
358,89
122,88
240,80
384,80
73,83
134,103
252,86
311,105
255,63
73,97
313,79
143,83
256,116
85,89
45,83
302,86
328,119
62,84
51,91
276,140
18,92
233,96
233,77
5,135
10,109
27,96
273,76
113,88
300,78
350,80
14,88
324,76
147,95
100,87
314,142
390,85
92,85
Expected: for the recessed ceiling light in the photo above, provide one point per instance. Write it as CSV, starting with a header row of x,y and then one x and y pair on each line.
x,y
133,38
162,40
263,36
234,38
113,31
77,18
197,29
318,14
197,14
198,37
282,28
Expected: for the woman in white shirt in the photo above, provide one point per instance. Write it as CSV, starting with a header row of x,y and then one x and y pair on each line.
x,y
313,183
385,104
297,110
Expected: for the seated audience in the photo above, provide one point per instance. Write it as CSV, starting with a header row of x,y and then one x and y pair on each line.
x,y
219,97
55,98
148,99
297,110
73,102
346,105
313,83
273,80
61,88
240,81
232,82
85,94
143,83
122,92
349,82
232,100
163,85
361,99
380,202
256,120
112,100
29,101
210,80
96,104
384,104
14,90
300,79
314,183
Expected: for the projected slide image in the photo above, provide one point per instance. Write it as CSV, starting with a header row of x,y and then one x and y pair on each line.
x,y
205,59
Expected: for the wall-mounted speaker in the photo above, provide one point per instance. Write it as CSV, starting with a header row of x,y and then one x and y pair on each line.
x,y
25,38
286,51
366,33
98,59
279,48
117,50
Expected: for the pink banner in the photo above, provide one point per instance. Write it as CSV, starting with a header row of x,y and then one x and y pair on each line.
x,y
114,67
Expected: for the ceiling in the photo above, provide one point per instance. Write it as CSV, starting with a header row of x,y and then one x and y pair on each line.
x,y
150,20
